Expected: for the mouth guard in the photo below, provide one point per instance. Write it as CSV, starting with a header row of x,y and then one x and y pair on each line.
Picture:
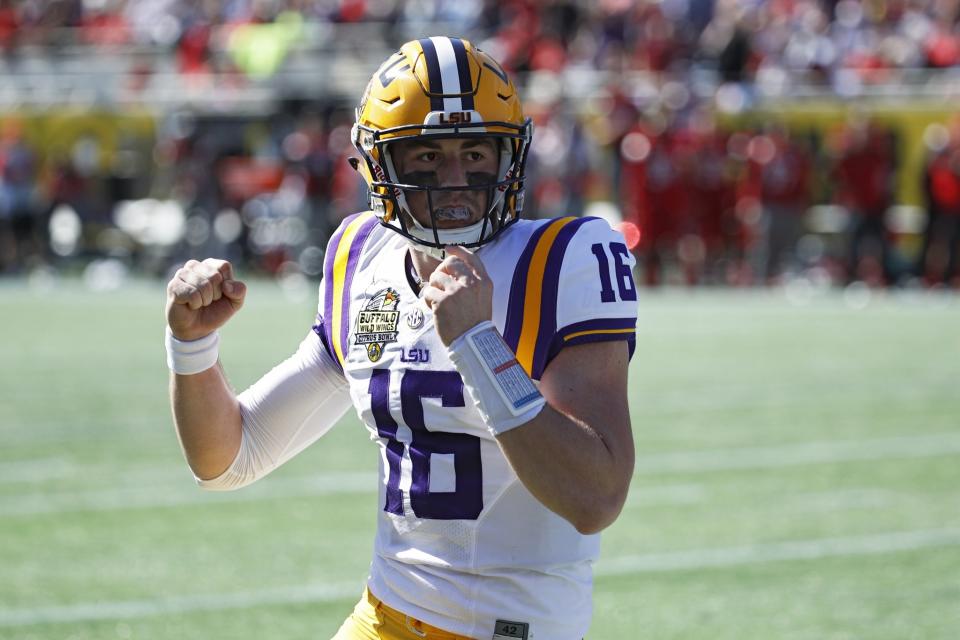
x,y
452,214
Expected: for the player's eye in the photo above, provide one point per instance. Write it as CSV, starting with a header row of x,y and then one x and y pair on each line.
x,y
427,156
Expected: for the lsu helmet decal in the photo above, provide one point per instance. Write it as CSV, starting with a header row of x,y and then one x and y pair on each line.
x,y
441,87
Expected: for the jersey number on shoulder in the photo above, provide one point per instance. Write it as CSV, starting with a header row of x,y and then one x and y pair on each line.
x,y
621,272
465,499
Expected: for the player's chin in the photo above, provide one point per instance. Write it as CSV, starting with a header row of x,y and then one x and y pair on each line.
x,y
450,224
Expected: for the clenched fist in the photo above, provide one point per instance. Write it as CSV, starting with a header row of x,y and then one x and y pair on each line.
x,y
201,297
460,294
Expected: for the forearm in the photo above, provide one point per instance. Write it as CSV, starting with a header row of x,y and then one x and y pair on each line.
x,y
207,418
570,468
568,440
282,413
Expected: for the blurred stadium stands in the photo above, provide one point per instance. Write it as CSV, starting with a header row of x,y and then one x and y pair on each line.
x,y
736,142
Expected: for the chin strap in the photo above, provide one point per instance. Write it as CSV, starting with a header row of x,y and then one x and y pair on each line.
x,y
461,236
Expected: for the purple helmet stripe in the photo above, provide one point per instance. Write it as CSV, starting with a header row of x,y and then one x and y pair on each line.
x,y
435,90
463,69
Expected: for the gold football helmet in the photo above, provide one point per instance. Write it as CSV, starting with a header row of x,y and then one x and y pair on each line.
x,y
441,87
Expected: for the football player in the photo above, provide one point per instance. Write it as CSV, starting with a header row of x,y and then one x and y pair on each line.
x,y
486,355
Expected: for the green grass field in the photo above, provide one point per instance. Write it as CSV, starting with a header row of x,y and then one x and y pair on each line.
x,y
798,477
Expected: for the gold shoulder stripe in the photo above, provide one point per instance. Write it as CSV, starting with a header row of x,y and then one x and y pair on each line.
x,y
341,258
534,292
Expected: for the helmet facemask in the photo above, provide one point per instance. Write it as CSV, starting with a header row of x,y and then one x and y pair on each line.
x,y
391,193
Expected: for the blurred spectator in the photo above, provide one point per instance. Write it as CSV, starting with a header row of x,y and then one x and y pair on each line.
x,y
558,165
940,258
711,183
9,24
864,174
103,24
654,195
21,243
779,166
728,40
307,151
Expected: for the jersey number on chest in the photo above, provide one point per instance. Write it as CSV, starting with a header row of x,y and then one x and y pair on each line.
x,y
465,502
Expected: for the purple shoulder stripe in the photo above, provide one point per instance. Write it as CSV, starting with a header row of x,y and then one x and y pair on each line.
x,y
518,290
328,283
609,328
353,258
548,298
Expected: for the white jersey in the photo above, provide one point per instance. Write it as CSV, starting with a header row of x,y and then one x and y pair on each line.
x,y
461,544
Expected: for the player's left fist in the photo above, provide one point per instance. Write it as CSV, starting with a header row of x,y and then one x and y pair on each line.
x,y
460,293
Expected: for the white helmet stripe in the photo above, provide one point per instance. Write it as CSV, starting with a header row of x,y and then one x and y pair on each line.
x,y
449,73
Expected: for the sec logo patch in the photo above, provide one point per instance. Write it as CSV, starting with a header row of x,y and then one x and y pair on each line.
x,y
415,318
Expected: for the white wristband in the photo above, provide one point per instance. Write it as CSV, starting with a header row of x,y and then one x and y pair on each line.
x,y
501,389
187,357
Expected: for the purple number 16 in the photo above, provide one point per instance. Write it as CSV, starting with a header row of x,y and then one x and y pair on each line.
x,y
465,502
624,277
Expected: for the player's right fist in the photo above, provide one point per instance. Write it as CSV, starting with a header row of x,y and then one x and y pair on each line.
x,y
201,297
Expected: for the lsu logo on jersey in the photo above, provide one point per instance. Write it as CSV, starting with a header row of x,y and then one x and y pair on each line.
x,y
377,323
